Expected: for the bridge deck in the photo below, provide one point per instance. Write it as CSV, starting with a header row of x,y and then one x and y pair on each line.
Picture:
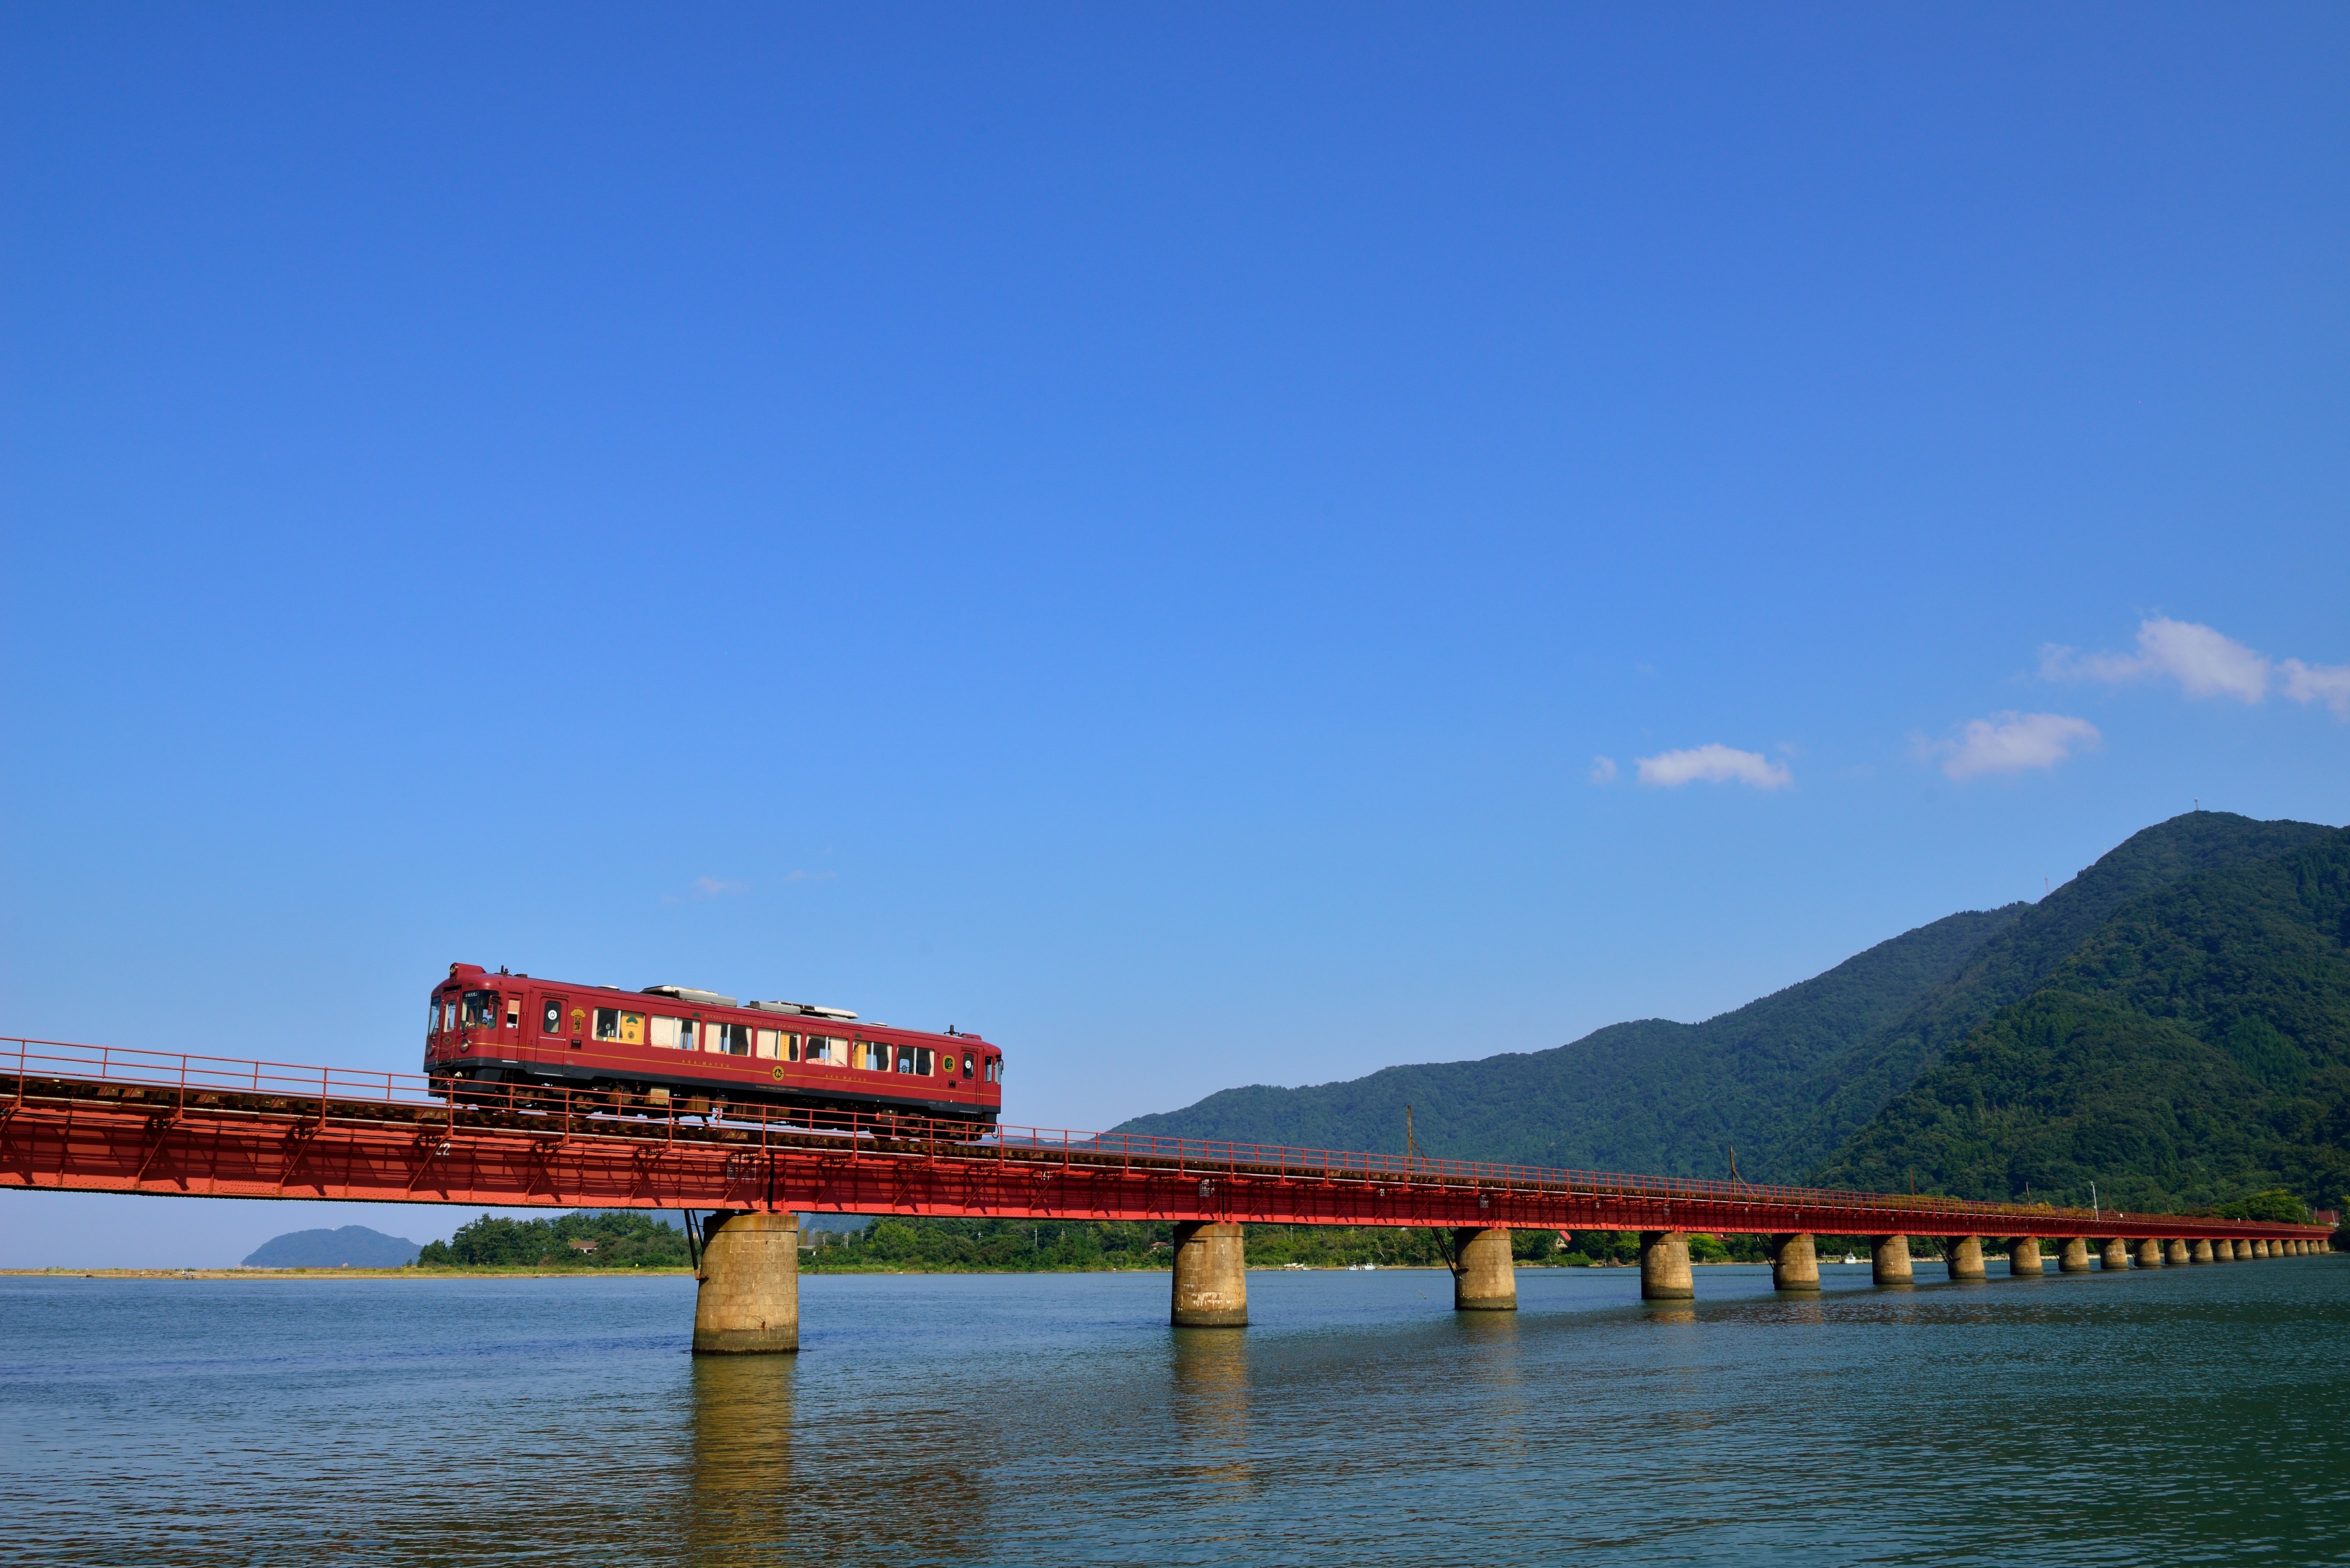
x,y
100,1119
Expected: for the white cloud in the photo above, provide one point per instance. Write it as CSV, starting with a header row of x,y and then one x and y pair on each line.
x,y
1603,770
1713,765
2326,683
2205,663
2010,742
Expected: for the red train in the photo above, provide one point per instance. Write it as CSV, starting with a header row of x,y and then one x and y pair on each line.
x,y
668,1041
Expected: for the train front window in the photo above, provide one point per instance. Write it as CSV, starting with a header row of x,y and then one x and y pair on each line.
x,y
481,1010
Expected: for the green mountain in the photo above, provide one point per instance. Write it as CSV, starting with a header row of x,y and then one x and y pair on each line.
x,y
2011,964
1784,1081
1653,1096
2192,1048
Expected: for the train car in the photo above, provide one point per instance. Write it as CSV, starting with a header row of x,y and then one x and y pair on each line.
x,y
670,1041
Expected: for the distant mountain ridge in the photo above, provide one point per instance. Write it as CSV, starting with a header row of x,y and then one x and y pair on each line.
x,y
1652,1096
1785,1080
351,1247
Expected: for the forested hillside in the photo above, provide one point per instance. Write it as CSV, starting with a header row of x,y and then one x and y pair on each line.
x,y
1791,1079
1654,1095
2194,1048
2013,963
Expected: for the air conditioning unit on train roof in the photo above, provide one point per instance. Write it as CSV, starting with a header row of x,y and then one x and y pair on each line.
x,y
805,1009
687,993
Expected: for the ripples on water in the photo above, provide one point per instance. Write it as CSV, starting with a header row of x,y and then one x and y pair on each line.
x,y
2184,1416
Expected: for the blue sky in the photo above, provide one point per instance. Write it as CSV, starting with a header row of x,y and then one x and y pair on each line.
x,y
1132,531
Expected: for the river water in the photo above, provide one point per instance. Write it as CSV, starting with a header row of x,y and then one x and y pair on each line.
x,y
2185,1415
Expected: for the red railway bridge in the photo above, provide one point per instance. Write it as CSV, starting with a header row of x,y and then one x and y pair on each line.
x,y
99,1119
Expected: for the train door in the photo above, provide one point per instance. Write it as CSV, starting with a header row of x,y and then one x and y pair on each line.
x,y
549,1024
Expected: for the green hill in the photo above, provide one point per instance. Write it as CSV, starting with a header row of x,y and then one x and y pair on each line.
x,y
2013,963
2192,1048
1653,1096
1785,1080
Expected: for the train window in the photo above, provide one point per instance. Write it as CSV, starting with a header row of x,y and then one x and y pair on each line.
x,y
824,1048
481,1010
448,1015
550,1017
966,1066
727,1039
621,1027
432,1020
671,1034
791,1047
770,1043
514,1012
870,1057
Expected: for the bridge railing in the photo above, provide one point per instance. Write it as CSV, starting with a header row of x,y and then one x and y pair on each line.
x,y
580,1112
131,1067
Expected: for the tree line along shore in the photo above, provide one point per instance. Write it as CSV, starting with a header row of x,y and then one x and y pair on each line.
x,y
627,1240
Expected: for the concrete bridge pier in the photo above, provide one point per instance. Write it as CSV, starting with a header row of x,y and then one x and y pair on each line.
x,y
2116,1254
2260,1249
2024,1256
2149,1254
2175,1253
1211,1275
1665,1267
748,1300
2222,1251
1795,1263
1888,1260
2075,1258
1484,1278
1963,1254
2243,1251
2200,1252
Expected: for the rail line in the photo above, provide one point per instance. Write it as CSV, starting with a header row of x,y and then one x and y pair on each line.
x,y
109,1119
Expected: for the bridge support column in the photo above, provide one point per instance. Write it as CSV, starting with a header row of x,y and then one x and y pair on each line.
x,y
1888,1260
2116,1254
1484,1278
748,1302
2149,1254
1963,1254
2075,1258
2260,1249
2223,1251
2024,1256
1211,1275
2175,1254
1795,1263
1665,1267
2243,1251
2200,1252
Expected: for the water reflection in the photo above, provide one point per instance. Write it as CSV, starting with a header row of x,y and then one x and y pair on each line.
x,y
739,1482
1209,1399
766,1487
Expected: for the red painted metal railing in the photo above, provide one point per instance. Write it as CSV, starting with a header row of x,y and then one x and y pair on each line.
x,y
164,1088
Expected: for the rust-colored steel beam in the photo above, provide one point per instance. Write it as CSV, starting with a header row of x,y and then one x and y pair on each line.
x,y
140,1122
